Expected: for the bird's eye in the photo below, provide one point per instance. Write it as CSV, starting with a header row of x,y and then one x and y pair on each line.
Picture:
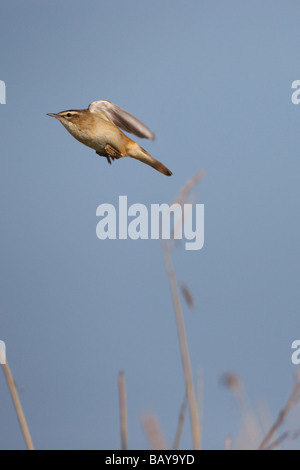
x,y
69,115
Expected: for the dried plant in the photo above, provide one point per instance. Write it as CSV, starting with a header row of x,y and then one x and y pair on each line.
x,y
153,432
167,246
294,398
123,411
18,406
180,424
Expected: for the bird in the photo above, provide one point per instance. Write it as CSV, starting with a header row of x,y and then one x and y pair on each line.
x,y
99,127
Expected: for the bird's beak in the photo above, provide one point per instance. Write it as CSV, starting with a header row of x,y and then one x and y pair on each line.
x,y
52,115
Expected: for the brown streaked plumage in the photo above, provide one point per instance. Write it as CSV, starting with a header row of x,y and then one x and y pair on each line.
x,y
99,127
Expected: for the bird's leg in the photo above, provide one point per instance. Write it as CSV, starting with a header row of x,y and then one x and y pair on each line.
x,y
108,157
112,152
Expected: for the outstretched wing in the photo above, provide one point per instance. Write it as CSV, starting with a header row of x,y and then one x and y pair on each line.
x,y
121,118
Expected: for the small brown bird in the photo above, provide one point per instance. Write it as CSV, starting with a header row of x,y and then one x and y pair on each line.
x,y
98,128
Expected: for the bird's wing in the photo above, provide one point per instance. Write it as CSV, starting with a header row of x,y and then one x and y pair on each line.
x,y
121,118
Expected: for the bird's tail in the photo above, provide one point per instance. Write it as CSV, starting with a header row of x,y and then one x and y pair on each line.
x,y
135,151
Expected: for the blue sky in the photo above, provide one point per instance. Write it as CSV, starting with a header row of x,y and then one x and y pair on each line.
x,y
213,81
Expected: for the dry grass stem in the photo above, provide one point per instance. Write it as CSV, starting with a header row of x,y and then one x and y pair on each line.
x,y
123,411
200,399
185,190
228,443
287,436
234,383
282,415
154,434
184,348
187,295
180,424
250,434
278,441
167,247
18,406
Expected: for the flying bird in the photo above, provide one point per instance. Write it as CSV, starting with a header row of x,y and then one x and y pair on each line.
x,y
99,127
